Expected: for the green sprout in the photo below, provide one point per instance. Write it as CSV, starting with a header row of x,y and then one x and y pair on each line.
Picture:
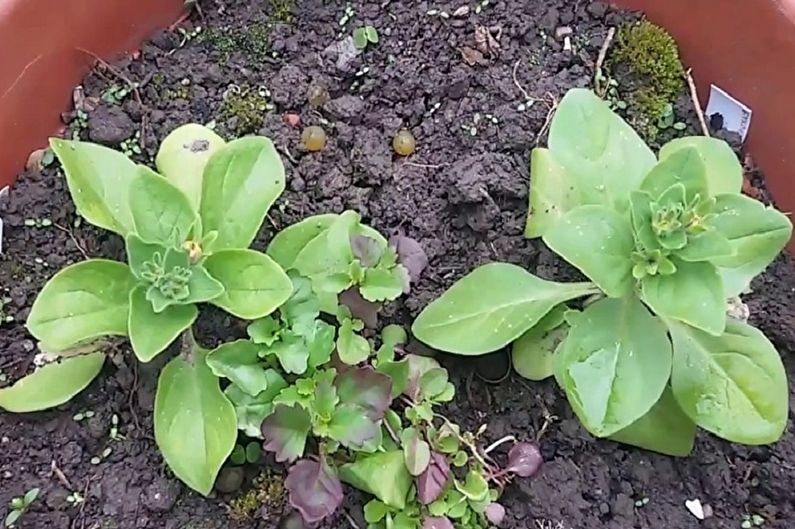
x,y
19,505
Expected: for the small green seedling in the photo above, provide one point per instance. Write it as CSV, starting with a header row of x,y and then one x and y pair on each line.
x,y
131,146
19,506
38,223
251,454
752,520
668,120
75,499
364,35
82,415
4,316
115,94
114,433
96,460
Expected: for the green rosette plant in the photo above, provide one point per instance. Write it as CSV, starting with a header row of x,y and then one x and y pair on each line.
x,y
665,241
186,230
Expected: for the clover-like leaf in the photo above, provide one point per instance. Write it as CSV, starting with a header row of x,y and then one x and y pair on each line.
x,y
314,489
52,384
614,365
251,411
416,451
81,302
292,352
351,347
239,362
241,181
599,242
264,331
367,473
195,424
254,284
490,307
733,385
285,432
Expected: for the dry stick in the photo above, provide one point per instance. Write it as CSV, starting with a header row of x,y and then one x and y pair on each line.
x,y
133,86
71,236
516,82
600,60
55,471
694,96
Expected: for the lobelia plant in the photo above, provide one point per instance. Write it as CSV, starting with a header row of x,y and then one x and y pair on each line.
x,y
187,233
325,400
665,242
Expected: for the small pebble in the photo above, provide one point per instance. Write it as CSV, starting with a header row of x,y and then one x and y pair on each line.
x,y
404,143
314,138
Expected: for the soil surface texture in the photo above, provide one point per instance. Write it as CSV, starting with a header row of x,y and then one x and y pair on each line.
x,y
476,107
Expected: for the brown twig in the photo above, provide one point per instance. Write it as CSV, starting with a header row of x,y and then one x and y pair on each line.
x,y
58,473
600,60
285,151
694,97
131,398
133,86
519,86
548,121
71,236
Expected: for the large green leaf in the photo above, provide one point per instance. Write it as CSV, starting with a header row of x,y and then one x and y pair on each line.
x,y
490,307
693,294
195,424
254,284
239,362
83,301
367,473
99,180
614,364
532,354
330,252
51,385
552,193
182,156
151,332
288,243
599,242
241,182
733,385
683,166
756,233
665,429
723,171
161,212
603,154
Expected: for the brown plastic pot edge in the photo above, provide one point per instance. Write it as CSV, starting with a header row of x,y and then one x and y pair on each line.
x,y
747,48
41,60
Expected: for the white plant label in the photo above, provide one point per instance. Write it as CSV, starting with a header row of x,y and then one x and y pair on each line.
x,y
736,115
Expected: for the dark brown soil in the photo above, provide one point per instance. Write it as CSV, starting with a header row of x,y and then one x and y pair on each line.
x,y
463,195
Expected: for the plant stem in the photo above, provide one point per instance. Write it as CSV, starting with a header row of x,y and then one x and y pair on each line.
x,y
498,442
189,345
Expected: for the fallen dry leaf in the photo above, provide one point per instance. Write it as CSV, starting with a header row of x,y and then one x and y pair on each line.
x,y
472,56
487,40
34,160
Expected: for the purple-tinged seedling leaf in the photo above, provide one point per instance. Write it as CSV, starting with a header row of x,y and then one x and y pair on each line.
x,y
366,250
495,513
315,490
365,388
437,522
524,460
431,483
285,432
361,309
351,427
418,366
410,254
